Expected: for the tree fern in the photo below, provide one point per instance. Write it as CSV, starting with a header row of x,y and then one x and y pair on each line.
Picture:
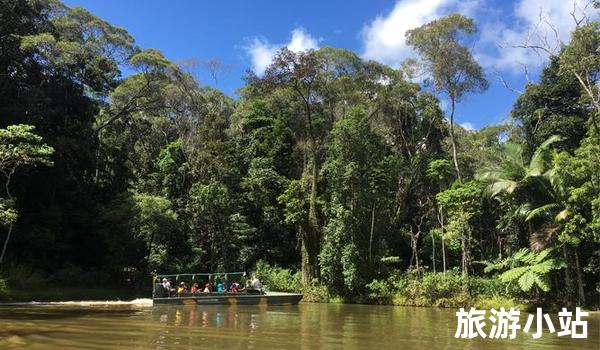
x,y
527,269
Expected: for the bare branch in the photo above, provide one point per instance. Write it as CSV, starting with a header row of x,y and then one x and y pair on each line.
x,y
525,71
583,10
216,67
505,83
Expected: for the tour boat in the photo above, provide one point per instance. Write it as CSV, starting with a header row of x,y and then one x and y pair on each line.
x,y
246,296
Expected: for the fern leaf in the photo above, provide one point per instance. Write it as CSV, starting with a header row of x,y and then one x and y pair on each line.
x,y
513,274
527,280
543,282
539,257
520,254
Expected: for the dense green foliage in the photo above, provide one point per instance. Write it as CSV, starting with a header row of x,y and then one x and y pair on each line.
x,y
330,175
450,289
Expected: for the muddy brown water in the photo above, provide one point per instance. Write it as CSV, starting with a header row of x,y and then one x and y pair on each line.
x,y
139,325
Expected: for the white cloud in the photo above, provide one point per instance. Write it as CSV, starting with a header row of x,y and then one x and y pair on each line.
x,y
528,20
546,23
384,38
302,41
261,51
467,126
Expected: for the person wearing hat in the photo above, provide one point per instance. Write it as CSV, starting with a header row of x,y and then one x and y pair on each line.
x,y
182,288
166,284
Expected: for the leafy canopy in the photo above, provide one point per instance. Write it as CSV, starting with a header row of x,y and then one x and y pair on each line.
x,y
20,146
453,69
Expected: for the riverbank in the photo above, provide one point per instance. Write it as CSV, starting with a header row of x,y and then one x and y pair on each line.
x,y
426,289
57,294
450,290
104,295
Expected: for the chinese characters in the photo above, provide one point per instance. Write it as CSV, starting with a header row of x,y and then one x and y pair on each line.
x,y
505,324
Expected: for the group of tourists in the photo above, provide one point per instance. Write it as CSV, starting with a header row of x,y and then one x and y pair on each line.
x,y
220,285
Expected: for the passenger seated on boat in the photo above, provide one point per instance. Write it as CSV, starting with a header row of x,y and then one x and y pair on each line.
x,y
253,286
221,288
166,288
159,290
166,284
256,283
206,288
234,287
246,287
195,288
182,288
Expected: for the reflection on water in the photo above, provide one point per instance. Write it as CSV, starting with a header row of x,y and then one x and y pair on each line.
x,y
305,326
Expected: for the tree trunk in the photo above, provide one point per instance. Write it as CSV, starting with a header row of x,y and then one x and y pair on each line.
x,y
414,240
311,237
310,263
10,228
433,251
581,293
443,240
371,233
463,260
466,253
453,141
149,255
568,279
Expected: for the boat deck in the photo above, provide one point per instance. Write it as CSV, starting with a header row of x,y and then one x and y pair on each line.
x,y
269,298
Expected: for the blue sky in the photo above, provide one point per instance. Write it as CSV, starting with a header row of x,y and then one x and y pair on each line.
x,y
244,34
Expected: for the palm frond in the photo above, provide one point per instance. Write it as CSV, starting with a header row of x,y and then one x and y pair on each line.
x,y
501,186
523,210
541,211
539,160
562,215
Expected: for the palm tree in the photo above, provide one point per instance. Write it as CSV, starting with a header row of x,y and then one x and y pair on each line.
x,y
514,172
549,210
521,179
541,191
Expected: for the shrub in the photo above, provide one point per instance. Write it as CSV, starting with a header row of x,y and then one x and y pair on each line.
x,y
3,290
451,289
275,278
380,291
316,293
498,301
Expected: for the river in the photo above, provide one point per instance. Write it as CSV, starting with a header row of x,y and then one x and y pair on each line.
x,y
306,326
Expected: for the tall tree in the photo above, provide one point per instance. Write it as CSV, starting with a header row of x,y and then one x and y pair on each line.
x,y
299,72
553,106
450,64
581,59
19,147
361,176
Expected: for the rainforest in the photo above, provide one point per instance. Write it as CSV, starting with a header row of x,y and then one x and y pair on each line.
x,y
328,174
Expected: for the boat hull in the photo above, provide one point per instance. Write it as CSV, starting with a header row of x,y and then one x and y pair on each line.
x,y
242,299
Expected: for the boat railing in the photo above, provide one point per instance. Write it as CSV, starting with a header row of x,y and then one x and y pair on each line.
x,y
158,291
